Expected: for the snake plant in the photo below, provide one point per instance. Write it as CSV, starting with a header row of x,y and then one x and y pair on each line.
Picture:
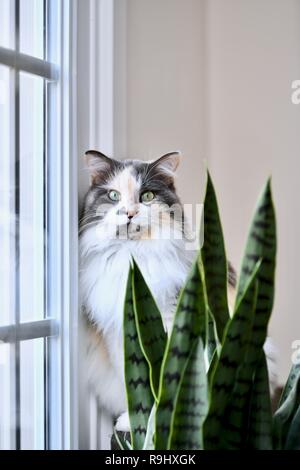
x,y
206,386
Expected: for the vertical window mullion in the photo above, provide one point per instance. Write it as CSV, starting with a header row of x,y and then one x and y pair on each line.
x,y
45,165
17,232
54,228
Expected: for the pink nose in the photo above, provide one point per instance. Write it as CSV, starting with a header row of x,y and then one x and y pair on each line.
x,y
131,213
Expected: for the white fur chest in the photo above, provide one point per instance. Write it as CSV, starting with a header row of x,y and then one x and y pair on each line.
x,y
104,270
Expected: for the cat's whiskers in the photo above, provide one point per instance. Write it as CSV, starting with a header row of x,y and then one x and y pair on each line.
x,y
89,216
86,226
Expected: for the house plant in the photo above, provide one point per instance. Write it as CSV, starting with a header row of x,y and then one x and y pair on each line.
x,y
206,385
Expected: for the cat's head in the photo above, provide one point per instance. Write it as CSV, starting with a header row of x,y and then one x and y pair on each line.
x,y
132,199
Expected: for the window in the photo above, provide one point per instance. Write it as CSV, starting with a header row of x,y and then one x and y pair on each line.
x,y
38,226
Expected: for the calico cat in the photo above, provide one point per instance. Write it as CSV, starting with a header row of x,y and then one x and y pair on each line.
x,y
127,213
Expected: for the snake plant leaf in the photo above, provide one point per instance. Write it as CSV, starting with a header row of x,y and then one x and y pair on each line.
x,y
232,354
285,414
236,418
214,260
212,343
189,324
192,403
293,437
236,415
292,378
121,441
152,335
212,366
261,244
149,439
139,396
260,413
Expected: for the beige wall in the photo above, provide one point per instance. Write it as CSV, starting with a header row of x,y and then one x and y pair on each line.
x,y
213,78
253,51
165,105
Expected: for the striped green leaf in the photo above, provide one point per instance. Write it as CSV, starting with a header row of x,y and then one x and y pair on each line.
x,y
260,413
293,437
285,414
192,403
139,396
151,331
121,441
189,324
149,440
212,366
292,378
231,357
214,260
236,416
212,342
261,244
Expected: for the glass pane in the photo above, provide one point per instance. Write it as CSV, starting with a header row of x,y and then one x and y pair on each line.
x,y
32,240
7,219
32,27
32,394
6,22
6,398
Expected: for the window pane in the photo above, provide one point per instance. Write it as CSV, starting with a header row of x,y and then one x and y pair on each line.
x,y
32,240
7,219
6,398
32,394
32,27
6,22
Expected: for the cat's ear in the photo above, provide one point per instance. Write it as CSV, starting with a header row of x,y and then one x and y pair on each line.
x,y
168,163
98,164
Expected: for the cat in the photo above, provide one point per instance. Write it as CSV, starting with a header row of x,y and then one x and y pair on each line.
x,y
127,214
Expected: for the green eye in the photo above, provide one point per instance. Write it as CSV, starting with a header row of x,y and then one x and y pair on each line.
x,y
148,196
114,195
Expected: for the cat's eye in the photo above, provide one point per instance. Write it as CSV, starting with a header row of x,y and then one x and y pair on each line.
x,y
114,195
148,196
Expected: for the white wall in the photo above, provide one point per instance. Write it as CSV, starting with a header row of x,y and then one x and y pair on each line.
x,y
165,45
213,78
253,55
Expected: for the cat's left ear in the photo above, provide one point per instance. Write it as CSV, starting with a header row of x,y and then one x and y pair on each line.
x,y
168,163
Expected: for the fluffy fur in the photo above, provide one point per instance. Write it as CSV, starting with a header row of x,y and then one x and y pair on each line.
x,y
111,234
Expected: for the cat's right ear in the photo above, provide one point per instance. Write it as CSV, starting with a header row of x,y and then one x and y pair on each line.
x,y
98,165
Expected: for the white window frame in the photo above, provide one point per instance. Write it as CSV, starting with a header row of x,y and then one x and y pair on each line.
x,y
62,325
95,122
102,117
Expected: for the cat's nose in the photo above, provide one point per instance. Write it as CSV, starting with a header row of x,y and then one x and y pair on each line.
x,y
131,213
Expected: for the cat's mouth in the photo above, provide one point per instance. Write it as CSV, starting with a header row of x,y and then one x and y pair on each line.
x,y
132,231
